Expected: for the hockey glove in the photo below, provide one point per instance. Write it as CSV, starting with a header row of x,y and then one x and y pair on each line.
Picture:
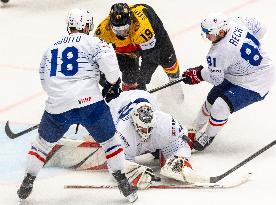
x,y
193,75
176,167
111,91
140,176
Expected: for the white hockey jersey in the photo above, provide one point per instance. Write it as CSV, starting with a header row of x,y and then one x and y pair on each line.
x,y
240,59
70,71
166,135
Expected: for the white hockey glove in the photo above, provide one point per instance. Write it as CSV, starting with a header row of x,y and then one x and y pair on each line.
x,y
139,175
177,168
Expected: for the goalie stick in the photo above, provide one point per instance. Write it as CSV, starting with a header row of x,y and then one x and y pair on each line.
x,y
13,135
232,184
213,180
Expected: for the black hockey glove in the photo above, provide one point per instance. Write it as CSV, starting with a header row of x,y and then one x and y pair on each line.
x,y
110,91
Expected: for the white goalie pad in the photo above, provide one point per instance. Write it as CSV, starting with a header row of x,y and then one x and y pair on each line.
x,y
77,154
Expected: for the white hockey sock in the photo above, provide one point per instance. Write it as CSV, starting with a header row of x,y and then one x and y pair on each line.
x,y
219,114
114,154
37,155
202,116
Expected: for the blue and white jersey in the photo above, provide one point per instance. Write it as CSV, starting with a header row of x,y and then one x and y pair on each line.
x,y
240,59
70,71
166,135
121,106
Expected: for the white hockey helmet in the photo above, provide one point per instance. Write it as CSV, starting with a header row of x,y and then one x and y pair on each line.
x,y
213,24
143,119
78,18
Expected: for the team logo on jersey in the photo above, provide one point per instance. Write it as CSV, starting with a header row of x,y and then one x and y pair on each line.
x,y
85,100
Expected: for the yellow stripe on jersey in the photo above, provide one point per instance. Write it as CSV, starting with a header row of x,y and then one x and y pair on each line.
x,y
172,70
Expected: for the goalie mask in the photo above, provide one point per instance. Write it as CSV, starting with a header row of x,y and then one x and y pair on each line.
x,y
120,19
213,24
78,19
143,119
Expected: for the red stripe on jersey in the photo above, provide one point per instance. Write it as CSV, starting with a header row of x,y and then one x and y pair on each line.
x,y
114,153
127,49
37,156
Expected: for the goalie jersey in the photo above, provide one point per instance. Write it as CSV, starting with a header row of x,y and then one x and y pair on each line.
x,y
144,31
240,59
167,135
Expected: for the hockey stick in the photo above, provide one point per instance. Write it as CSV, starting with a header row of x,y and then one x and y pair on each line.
x,y
167,85
13,135
219,177
233,184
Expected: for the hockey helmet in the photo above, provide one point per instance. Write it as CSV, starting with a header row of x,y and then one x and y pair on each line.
x,y
78,19
120,19
213,24
143,119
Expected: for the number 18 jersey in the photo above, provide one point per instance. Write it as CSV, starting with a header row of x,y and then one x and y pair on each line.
x,y
240,59
69,71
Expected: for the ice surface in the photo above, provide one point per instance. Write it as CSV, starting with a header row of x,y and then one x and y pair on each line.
x,y
27,28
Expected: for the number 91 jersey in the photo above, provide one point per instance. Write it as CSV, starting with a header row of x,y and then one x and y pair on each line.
x,y
240,59
142,34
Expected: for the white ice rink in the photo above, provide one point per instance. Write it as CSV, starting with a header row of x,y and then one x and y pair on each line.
x,y
27,27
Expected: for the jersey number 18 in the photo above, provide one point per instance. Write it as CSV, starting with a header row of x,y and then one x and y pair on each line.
x,y
69,65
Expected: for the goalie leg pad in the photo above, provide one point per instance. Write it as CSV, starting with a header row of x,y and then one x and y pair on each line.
x,y
139,176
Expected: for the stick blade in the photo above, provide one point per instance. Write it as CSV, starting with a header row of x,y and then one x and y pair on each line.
x,y
8,131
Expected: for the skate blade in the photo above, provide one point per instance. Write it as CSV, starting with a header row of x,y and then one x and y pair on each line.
x,y
132,197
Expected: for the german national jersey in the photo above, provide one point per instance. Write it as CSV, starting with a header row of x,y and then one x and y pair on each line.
x,y
69,71
145,30
240,59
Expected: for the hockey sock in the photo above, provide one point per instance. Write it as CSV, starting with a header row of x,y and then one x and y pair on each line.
x,y
219,114
202,116
37,155
114,154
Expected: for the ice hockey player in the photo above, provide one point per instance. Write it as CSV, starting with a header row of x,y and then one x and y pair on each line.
x,y
238,67
69,75
143,128
136,31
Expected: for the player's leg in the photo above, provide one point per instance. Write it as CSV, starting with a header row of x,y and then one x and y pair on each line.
x,y
170,65
99,124
231,100
51,129
130,71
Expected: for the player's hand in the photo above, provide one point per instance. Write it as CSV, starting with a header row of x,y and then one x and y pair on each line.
x,y
192,75
111,91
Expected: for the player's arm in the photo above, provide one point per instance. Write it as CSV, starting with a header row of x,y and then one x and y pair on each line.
x,y
42,71
212,73
108,64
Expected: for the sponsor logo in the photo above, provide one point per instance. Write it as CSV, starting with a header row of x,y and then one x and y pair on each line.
x,y
85,100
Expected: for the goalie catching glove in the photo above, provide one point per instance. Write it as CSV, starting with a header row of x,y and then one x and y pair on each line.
x,y
177,168
140,176
193,75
